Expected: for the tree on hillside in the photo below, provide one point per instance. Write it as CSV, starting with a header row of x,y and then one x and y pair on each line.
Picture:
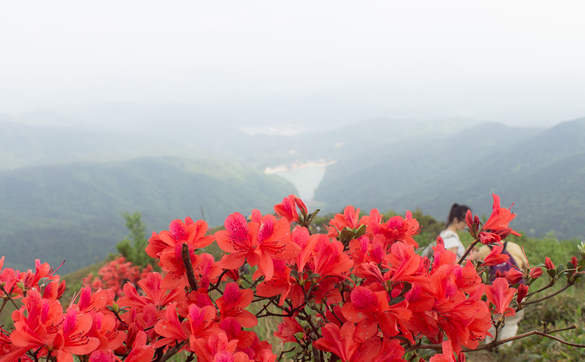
x,y
132,247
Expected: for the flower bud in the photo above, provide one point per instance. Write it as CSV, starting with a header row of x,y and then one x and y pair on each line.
x,y
233,274
514,276
469,218
301,205
548,263
535,273
575,262
522,291
473,227
489,238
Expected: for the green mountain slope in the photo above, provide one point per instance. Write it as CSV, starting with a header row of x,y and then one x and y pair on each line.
x,y
541,170
72,211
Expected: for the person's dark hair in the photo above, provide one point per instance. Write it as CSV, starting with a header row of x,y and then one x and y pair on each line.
x,y
457,211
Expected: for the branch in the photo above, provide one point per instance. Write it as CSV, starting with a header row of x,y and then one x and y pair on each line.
x,y
173,351
188,266
218,280
549,296
283,352
120,319
260,279
8,296
468,251
270,314
263,309
496,343
3,304
315,329
563,329
552,282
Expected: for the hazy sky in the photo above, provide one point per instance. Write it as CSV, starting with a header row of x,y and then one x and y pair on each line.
x,y
520,62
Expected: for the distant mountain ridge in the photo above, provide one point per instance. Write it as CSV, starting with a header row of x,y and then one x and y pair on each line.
x,y
541,170
72,211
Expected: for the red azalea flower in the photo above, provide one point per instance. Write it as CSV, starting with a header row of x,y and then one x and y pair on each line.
x,y
489,238
330,260
338,341
233,329
349,219
288,208
102,356
217,348
442,256
379,350
496,257
192,233
233,303
72,337
500,219
306,243
446,356
171,328
514,276
500,295
258,242
168,244
287,329
363,309
282,284
141,352
467,279
399,229
201,320
404,264
373,222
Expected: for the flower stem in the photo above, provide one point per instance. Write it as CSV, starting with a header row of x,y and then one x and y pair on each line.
x,y
188,267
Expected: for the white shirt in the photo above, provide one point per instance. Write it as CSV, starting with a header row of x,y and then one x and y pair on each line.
x,y
452,240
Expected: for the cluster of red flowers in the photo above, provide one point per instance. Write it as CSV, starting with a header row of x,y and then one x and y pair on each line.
x,y
114,274
359,292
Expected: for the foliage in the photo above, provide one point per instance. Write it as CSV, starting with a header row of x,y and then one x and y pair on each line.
x,y
133,250
357,293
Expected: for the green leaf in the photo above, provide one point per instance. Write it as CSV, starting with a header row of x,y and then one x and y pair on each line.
x,y
43,282
346,235
360,231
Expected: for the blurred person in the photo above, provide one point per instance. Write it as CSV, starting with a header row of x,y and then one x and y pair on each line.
x,y
455,223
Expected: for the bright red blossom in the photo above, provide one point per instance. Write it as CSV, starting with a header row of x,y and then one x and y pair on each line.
x,y
362,296
500,295
257,242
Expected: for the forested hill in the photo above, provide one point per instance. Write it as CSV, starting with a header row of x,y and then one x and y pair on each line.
x,y
543,171
72,211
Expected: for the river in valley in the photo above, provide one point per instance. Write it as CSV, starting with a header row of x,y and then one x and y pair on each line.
x,y
305,176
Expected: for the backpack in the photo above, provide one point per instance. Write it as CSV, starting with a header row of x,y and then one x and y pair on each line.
x,y
504,267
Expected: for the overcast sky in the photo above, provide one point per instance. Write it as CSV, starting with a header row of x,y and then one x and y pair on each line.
x,y
519,62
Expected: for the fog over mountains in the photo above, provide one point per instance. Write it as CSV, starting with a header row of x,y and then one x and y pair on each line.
x,y
66,177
